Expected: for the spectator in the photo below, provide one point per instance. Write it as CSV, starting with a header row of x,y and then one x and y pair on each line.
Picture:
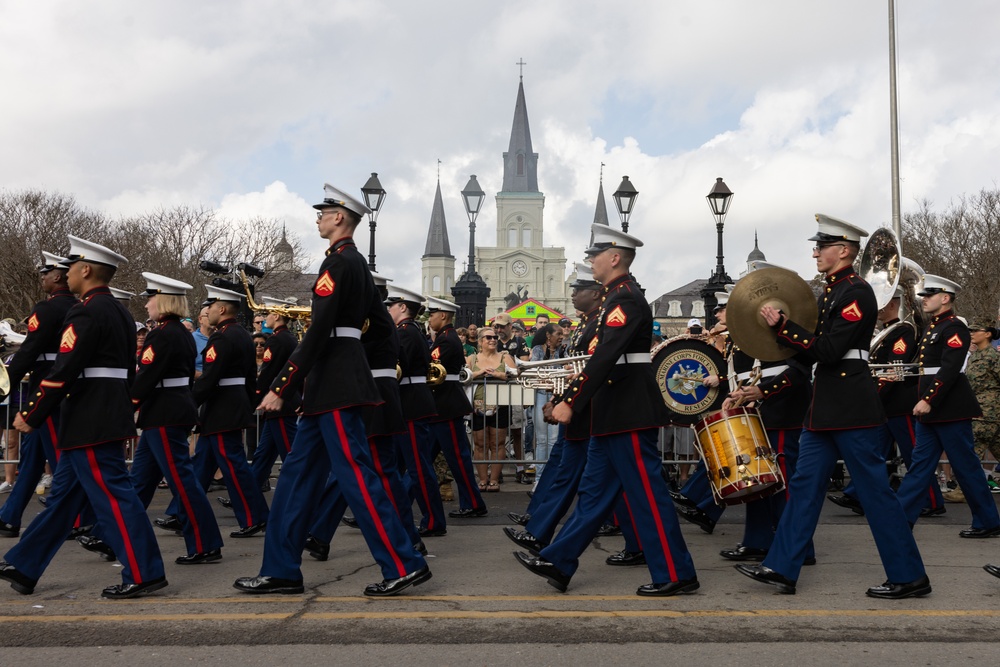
x,y
201,338
489,422
983,371
188,324
515,348
259,341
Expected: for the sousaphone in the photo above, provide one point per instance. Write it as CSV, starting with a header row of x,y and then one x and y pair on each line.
x,y
779,288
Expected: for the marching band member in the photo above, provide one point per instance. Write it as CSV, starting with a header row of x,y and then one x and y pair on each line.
x,y
945,411
843,421
90,381
626,410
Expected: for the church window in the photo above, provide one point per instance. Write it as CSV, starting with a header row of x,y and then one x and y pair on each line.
x,y
436,284
526,237
520,164
675,309
447,284
697,309
425,284
512,237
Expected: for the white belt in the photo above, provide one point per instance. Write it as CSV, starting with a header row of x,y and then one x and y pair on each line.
x,y
173,382
232,382
48,356
933,370
413,379
384,373
635,358
451,378
346,332
856,354
103,372
764,372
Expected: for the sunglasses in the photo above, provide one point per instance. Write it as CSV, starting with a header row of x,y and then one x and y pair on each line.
x,y
259,344
487,338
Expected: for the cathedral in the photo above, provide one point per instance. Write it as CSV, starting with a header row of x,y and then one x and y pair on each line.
x,y
519,267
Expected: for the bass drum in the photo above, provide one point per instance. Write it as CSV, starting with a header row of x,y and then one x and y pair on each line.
x,y
680,365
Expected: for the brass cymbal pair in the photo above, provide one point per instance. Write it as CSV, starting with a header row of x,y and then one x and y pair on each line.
x,y
779,288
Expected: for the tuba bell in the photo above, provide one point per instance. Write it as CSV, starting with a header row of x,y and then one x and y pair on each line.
x,y
436,374
885,269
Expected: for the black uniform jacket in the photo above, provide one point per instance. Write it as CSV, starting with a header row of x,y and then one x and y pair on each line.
x,y
329,366
277,349
98,338
414,359
45,324
162,387
583,341
844,395
381,344
898,398
449,396
945,346
225,402
624,396
786,395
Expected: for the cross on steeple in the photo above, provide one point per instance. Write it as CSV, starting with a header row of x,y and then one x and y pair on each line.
x,y
520,66
439,170
602,173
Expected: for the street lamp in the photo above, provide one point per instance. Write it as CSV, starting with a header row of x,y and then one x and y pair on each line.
x,y
374,196
473,197
625,197
471,292
718,200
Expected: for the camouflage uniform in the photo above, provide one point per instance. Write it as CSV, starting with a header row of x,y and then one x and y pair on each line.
x,y
983,371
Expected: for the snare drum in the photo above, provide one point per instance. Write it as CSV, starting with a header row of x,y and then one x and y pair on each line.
x,y
738,457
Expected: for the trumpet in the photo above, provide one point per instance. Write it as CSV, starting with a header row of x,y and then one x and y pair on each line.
x,y
895,371
551,374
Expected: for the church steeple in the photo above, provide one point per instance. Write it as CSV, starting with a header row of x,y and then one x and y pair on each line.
x,y
437,234
601,212
756,253
520,163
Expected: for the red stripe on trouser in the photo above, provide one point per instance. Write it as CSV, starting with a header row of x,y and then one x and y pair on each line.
x,y
346,446
458,459
284,436
236,483
644,476
381,472
116,510
51,425
631,518
180,490
420,476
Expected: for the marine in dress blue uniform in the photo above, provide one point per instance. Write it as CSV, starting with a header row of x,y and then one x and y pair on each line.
x,y
448,426
90,382
945,409
224,393
35,358
626,410
843,421
330,368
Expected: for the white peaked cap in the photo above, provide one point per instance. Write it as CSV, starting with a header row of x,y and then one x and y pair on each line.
x,y
219,294
157,284
334,197
82,250
606,237
434,304
831,230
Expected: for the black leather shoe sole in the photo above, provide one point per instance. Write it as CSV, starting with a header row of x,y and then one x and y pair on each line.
x,y
697,517
993,569
18,581
390,587
266,585
427,532
469,513
225,502
350,522
978,533
523,539
744,553
317,549
519,519
609,530
847,502
125,591
626,558
544,569
204,557
682,587
94,545
932,511
169,523
7,530
889,591
249,531
768,576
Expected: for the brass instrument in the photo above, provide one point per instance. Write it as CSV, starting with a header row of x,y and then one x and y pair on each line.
x,y
885,269
895,371
465,375
289,312
436,374
550,374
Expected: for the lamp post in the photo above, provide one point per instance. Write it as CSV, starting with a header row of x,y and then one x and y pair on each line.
x,y
374,196
471,291
718,199
625,197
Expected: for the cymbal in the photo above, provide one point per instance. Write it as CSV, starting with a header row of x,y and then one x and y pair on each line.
x,y
779,288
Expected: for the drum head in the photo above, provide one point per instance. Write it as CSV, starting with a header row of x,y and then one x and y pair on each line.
x,y
680,366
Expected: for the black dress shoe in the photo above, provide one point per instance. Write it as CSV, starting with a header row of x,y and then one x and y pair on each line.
x,y
543,568
608,530
388,587
437,532
225,502
20,582
420,548
682,587
169,523
350,522
979,532
317,549
9,530
766,575
469,513
847,502
531,494
626,558
78,531
266,486
519,519
697,517
99,547
891,591
932,511
249,531
680,499
811,560
124,591
992,569
216,485
203,557
524,539
261,585
743,553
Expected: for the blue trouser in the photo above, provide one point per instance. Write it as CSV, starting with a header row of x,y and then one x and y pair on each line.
x,y
543,486
625,519
955,439
276,436
37,447
557,490
97,474
699,491
334,443
818,454
162,453
225,452
628,462
450,439
415,448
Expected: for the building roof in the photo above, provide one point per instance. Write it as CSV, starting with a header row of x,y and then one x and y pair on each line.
x,y
520,163
600,212
755,254
686,294
437,233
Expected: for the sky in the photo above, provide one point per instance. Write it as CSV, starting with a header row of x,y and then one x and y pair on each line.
x,y
251,107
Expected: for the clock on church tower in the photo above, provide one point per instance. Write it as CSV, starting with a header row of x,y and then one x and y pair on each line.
x,y
519,268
